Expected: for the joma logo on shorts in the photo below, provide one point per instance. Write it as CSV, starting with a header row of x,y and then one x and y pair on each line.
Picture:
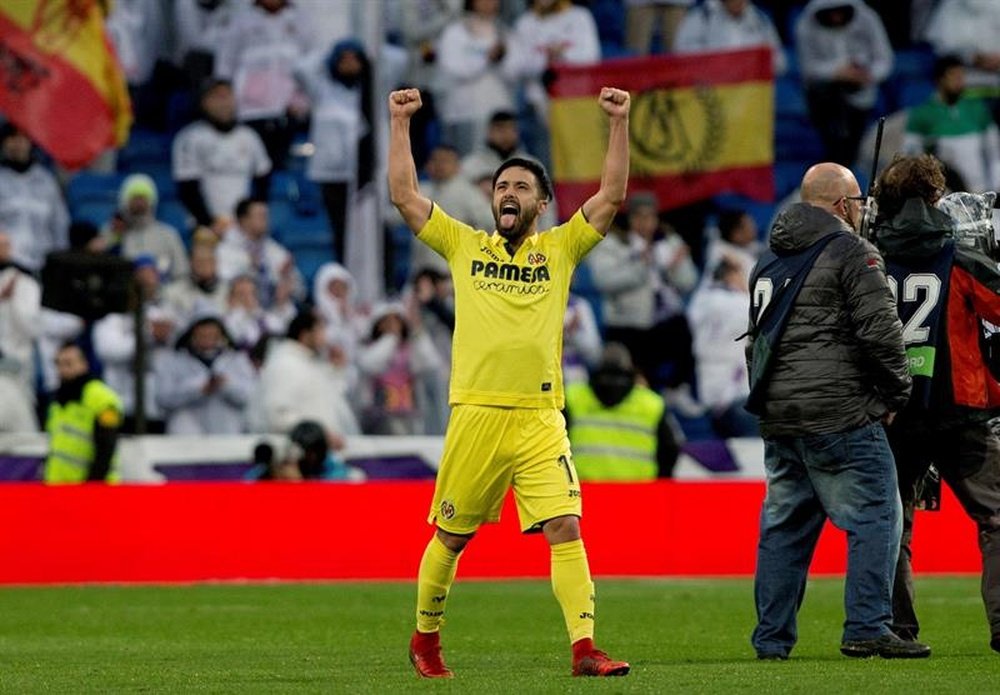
x,y
509,271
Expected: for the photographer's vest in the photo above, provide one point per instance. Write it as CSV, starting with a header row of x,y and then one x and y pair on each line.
x,y
71,434
774,285
920,288
616,443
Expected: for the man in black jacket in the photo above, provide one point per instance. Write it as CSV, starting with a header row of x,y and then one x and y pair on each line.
x,y
827,368
945,286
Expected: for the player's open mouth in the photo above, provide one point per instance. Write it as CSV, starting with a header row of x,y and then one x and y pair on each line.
x,y
508,214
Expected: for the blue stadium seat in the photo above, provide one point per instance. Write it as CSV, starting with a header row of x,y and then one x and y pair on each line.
x,y
795,139
760,212
97,212
787,176
144,148
789,97
309,261
92,187
172,212
609,15
306,231
583,286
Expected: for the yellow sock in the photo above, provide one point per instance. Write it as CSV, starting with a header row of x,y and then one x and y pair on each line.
x,y
573,588
437,572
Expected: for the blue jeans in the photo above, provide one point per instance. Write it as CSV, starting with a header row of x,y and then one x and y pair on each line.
x,y
850,478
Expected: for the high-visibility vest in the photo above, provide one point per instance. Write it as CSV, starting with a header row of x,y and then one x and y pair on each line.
x,y
616,443
71,433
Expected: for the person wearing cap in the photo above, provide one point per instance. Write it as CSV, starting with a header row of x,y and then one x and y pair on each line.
x,y
204,385
944,288
506,430
618,426
32,209
84,420
134,230
217,162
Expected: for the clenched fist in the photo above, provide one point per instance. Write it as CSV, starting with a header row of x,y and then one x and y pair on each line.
x,y
614,102
403,103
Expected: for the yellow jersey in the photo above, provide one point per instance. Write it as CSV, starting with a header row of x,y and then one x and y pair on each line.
x,y
507,346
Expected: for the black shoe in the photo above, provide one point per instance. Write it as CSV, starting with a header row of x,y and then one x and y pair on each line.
x,y
888,646
905,633
995,643
772,656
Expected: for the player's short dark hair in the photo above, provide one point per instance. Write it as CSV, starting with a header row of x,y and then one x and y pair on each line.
x,y
532,165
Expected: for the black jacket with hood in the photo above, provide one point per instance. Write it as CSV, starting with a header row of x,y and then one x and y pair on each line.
x,y
840,363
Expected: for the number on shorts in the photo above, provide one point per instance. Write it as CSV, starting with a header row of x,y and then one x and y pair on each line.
x,y
565,464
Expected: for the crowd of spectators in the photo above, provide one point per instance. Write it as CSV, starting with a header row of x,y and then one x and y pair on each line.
x,y
239,339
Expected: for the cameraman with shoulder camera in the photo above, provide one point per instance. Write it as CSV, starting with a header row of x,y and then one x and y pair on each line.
x,y
944,288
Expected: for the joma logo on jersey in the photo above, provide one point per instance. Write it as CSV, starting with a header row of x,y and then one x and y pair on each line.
x,y
536,258
509,271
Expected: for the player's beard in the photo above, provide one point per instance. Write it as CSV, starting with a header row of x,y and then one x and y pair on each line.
x,y
516,230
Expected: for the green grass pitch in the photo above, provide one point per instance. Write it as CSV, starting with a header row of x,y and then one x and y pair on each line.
x,y
501,637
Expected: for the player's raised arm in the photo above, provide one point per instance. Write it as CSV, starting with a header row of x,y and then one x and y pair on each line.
x,y
601,208
404,189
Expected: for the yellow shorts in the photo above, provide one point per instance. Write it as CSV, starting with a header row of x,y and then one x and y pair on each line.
x,y
488,450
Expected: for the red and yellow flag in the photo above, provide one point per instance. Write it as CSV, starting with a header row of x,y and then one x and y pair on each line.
x,y
699,125
60,80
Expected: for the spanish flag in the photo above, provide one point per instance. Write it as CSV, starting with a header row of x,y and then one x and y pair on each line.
x,y
699,125
60,81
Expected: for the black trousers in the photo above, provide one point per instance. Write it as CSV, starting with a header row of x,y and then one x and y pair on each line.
x,y
968,458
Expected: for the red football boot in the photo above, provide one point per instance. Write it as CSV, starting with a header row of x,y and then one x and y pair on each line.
x,y
425,655
588,661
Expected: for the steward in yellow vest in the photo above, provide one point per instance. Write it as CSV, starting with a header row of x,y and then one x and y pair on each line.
x,y
617,427
83,423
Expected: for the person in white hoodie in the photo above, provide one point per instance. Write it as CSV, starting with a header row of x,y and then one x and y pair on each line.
x,y
204,385
299,382
844,55
344,320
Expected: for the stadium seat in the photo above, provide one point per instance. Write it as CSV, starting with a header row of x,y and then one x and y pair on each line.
x,y
302,231
97,212
795,139
583,286
609,15
308,261
144,149
172,212
788,175
89,187
789,98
